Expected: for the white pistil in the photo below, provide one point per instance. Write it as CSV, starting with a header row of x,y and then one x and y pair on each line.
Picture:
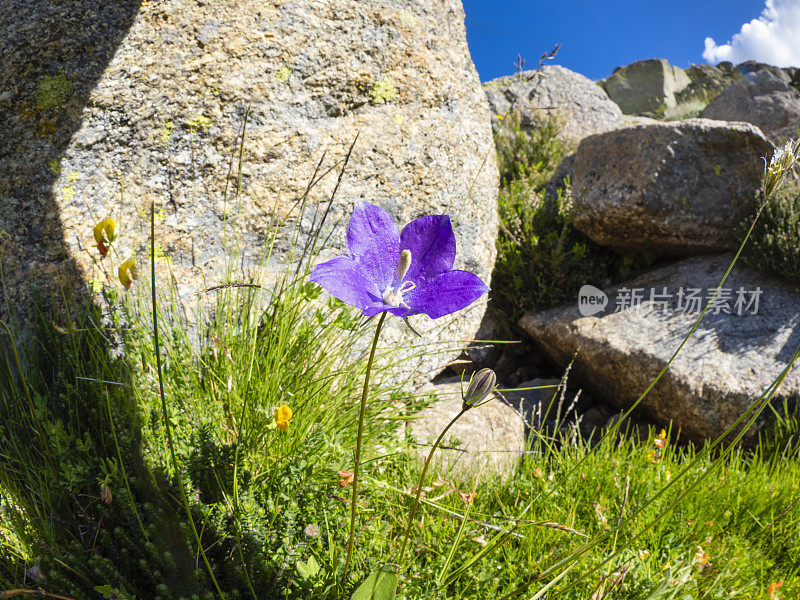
x,y
403,264
393,295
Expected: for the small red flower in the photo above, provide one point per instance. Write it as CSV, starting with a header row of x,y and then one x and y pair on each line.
x,y
774,587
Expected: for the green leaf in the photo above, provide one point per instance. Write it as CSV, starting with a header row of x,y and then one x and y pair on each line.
x,y
109,592
379,585
308,569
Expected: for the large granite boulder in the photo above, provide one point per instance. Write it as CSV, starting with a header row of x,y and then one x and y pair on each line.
x,y
739,348
646,87
670,189
762,99
106,106
579,105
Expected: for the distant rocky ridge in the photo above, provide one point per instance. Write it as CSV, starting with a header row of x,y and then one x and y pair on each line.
x,y
649,89
581,106
645,87
653,87
763,99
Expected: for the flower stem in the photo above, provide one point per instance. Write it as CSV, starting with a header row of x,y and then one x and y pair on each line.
x,y
361,412
413,512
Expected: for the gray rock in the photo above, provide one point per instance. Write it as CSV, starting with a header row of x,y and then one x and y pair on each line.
x,y
645,87
725,366
153,96
707,82
538,406
524,372
462,366
670,189
751,67
725,66
481,351
794,75
762,99
579,105
489,436
593,419
780,136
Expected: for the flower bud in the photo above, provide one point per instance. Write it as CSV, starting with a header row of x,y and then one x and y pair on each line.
x,y
481,384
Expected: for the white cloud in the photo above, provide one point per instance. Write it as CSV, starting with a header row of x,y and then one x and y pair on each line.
x,y
772,38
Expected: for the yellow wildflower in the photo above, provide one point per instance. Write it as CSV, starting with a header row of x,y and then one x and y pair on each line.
x,y
104,234
128,272
282,416
661,439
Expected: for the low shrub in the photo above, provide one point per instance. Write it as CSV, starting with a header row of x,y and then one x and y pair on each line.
x,y
542,260
774,245
529,151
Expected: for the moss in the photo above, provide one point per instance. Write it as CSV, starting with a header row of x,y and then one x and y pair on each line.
x,y
198,123
774,245
54,167
166,133
383,91
52,91
407,18
68,194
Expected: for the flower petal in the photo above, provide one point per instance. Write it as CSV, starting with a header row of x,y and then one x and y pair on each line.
x,y
345,279
432,244
373,242
446,294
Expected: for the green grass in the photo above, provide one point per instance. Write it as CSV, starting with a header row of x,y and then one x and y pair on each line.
x,y
223,381
572,497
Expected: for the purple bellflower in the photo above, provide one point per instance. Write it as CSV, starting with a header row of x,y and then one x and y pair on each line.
x,y
404,273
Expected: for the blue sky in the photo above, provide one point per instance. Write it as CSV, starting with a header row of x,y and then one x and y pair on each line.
x,y
597,36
